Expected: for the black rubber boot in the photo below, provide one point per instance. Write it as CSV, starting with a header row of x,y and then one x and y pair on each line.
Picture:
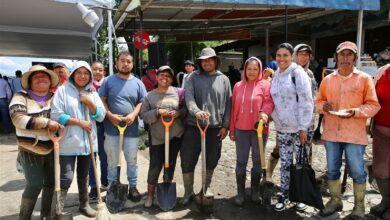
x,y
46,201
384,189
188,181
255,184
240,199
26,208
83,198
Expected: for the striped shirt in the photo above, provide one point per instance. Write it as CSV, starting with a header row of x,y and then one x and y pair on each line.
x,y
30,120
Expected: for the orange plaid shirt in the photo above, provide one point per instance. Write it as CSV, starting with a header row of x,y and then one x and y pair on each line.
x,y
357,91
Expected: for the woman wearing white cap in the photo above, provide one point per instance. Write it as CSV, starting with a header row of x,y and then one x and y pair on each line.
x,y
69,104
30,113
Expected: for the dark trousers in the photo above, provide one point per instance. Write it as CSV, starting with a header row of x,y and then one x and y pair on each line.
x,y
4,113
157,158
38,171
247,140
68,163
102,157
191,147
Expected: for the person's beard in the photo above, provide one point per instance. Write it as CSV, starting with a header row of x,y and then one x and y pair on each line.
x,y
125,72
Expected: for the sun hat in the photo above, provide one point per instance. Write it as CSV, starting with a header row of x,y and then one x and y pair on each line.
x,y
347,45
164,68
207,53
39,68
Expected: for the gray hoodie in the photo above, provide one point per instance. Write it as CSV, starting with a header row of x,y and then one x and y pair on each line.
x,y
210,93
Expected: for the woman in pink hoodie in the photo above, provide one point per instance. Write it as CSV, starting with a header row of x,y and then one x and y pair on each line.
x,y
251,101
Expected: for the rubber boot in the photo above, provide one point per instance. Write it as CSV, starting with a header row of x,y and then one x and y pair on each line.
x,y
209,176
359,191
83,198
149,199
26,208
46,201
255,184
188,180
384,189
240,199
272,162
334,204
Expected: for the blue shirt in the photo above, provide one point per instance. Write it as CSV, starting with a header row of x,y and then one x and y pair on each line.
x,y
122,96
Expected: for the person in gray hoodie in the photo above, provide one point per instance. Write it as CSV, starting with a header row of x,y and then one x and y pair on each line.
x,y
70,103
291,93
208,97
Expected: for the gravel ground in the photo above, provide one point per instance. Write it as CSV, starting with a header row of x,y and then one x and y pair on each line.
x,y
223,185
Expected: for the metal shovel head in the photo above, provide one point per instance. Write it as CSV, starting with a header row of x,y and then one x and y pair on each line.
x,y
267,190
204,203
59,215
63,216
116,197
166,195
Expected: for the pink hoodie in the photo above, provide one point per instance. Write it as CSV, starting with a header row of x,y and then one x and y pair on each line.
x,y
249,99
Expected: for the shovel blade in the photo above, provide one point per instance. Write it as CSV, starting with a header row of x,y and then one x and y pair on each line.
x,y
116,197
166,195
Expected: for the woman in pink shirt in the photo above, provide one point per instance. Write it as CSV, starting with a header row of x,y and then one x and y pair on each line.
x,y
251,101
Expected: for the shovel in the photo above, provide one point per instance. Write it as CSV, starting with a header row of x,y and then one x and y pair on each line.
x,y
57,187
117,192
166,191
204,202
267,188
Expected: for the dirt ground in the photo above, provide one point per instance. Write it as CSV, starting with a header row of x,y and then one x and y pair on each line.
x,y
223,185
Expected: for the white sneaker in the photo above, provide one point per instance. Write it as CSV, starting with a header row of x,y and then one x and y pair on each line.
x,y
300,206
281,205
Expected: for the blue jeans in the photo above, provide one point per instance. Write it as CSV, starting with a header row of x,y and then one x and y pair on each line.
x,y
4,112
354,157
130,150
102,158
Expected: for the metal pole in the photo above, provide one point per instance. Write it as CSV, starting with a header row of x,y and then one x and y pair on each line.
x,y
134,49
285,24
110,55
141,41
359,36
266,45
192,52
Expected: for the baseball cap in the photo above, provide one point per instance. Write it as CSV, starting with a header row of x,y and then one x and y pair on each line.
x,y
347,45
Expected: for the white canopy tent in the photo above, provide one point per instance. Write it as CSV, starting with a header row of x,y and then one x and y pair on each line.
x,y
45,28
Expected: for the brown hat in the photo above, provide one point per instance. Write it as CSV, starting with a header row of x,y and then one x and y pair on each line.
x,y
53,76
347,45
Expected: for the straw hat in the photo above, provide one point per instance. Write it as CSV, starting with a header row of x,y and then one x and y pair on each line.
x,y
53,76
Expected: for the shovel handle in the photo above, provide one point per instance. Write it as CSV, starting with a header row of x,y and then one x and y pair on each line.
x,y
122,127
56,143
167,125
261,144
203,131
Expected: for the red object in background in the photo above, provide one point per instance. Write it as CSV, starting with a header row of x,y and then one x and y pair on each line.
x,y
149,79
145,40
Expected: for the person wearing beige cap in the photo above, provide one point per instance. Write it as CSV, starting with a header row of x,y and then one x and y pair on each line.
x,y
30,114
163,101
347,99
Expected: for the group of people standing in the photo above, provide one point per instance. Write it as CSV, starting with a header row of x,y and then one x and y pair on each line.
x,y
290,100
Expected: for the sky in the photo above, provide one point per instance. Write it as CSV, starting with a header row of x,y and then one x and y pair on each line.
x,y
8,65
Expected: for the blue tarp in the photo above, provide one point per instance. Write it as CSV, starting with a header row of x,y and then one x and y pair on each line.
x,y
373,5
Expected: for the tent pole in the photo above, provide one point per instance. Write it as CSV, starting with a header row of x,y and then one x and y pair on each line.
x,y
359,36
266,45
110,55
286,24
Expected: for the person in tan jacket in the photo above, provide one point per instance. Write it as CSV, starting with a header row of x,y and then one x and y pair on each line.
x,y
347,99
